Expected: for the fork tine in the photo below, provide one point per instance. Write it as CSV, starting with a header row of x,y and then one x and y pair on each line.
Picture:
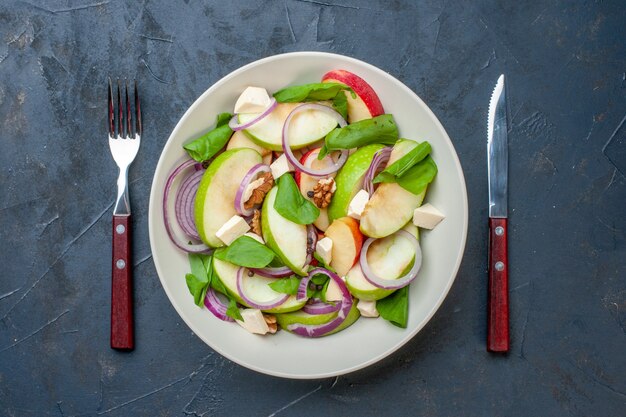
x,y
138,111
111,111
129,129
120,112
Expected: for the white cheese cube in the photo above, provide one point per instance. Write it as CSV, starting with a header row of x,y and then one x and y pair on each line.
x,y
333,292
253,321
357,205
252,100
427,216
280,166
324,248
367,308
235,227
247,193
255,237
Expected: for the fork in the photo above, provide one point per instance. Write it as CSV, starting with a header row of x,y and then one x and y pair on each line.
x,y
124,140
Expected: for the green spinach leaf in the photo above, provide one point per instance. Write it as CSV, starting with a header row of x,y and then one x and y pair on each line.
x,y
207,145
310,92
245,251
286,285
416,179
291,204
197,287
233,310
395,308
340,104
380,129
402,165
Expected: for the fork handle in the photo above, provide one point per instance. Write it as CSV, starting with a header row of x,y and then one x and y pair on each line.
x,y
498,326
122,285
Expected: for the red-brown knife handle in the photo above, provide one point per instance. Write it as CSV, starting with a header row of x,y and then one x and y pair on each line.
x,y
122,286
498,313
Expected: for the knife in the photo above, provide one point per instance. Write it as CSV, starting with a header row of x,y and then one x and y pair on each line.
x,y
497,169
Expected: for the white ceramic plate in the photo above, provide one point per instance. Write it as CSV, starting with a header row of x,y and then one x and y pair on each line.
x,y
368,340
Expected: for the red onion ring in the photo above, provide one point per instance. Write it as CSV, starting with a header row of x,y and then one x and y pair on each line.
x,y
281,298
247,179
318,330
380,159
303,287
287,149
184,206
269,272
191,248
317,306
216,306
391,284
234,122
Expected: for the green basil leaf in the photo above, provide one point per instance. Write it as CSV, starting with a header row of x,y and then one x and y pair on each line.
x,y
291,204
233,310
323,152
395,308
245,251
340,104
198,265
207,145
384,177
197,287
286,285
416,179
322,263
310,92
380,129
402,165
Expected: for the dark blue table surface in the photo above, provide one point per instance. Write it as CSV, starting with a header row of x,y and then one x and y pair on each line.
x,y
566,77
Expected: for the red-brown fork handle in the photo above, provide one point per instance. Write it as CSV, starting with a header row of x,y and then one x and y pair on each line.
x,y
122,286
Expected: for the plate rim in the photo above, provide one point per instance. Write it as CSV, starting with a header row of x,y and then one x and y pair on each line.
x,y
410,334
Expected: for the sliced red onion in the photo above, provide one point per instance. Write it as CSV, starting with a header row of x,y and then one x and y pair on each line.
x,y
184,206
216,306
303,287
318,330
191,248
311,241
247,179
378,164
234,122
267,305
391,284
270,272
317,306
287,149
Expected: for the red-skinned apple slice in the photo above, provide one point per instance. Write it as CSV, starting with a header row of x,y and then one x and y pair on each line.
x,y
366,105
347,242
306,182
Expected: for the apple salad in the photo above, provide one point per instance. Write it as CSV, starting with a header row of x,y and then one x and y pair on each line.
x,y
301,210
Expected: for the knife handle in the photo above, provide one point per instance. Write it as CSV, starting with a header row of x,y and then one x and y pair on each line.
x,y
498,312
122,286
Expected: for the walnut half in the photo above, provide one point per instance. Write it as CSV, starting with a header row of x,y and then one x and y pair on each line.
x,y
270,319
255,223
258,193
323,192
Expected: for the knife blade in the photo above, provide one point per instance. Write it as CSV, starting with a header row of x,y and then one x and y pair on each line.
x,y
497,171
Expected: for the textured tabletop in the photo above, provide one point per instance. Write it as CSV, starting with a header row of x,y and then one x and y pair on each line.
x,y
565,64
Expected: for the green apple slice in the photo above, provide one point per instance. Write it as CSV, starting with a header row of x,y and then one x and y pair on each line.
x,y
300,317
349,180
390,257
287,239
215,199
306,127
256,287
391,206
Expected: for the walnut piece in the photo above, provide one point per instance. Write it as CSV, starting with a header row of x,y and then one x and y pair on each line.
x,y
255,223
258,194
270,319
323,192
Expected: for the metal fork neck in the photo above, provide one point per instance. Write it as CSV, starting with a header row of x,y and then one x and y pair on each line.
x,y
122,204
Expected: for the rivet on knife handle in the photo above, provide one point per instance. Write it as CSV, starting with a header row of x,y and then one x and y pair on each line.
x,y
498,309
